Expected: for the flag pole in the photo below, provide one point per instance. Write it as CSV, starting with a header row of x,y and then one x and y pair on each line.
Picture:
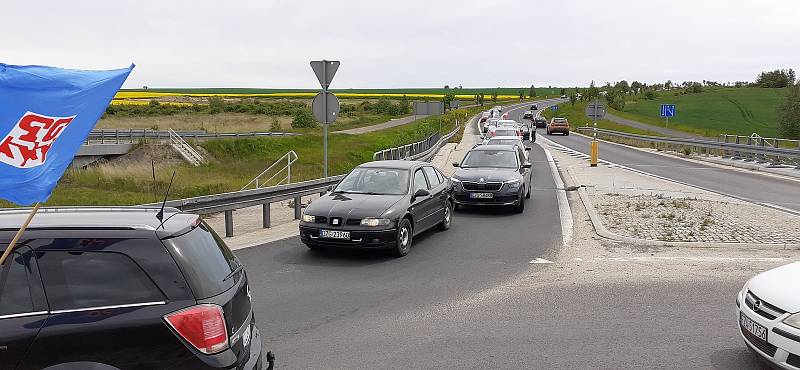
x,y
19,233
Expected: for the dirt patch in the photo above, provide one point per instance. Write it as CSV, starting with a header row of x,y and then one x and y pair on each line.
x,y
223,122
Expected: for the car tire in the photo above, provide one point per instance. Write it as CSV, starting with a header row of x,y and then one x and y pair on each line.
x,y
548,132
528,193
405,234
447,220
521,206
566,133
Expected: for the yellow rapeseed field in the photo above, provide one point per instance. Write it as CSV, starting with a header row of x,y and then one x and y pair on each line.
x,y
126,95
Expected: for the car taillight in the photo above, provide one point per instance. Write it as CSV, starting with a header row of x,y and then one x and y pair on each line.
x,y
202,325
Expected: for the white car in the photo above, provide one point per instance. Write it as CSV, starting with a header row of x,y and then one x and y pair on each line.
x,y
768,312
491,122
506,140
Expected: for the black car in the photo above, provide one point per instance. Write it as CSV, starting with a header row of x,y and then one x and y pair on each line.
x,y
379,205
115,288
534,107
495,175
540,122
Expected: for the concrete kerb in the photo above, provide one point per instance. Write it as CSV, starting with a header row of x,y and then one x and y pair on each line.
x,y
600,229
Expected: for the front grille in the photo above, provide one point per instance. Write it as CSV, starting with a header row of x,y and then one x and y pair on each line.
x,y
758,343
793,360
489,186
354,221
320,219
764,309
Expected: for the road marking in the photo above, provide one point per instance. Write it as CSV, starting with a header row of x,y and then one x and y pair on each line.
x,y
564,211
540,260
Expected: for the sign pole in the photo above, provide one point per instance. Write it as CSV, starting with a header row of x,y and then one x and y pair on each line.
x,y
325,123
593,159
19,233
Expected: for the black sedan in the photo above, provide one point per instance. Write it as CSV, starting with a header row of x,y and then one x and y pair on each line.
x,y
379,205
495,175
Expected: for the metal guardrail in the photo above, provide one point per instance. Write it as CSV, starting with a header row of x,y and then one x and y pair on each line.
x,y
757,140
130,136
756,153
290,157
420,150
228,202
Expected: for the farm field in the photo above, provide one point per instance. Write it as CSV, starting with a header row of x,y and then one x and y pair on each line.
x,y
235,162
741,111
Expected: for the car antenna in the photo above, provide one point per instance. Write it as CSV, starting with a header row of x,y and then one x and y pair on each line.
x,y
160,214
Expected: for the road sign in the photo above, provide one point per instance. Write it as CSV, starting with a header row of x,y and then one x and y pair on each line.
x,y
454,104
595,110
667,110
319,107
553,108
428,108
325,70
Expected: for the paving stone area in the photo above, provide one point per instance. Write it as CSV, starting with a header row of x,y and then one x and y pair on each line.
x,y
660,217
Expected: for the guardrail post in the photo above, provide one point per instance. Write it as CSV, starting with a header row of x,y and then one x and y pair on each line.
x,y
116,133
297,209
265,221
228,223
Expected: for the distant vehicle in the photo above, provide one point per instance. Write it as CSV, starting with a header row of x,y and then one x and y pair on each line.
x,y
534,107
115,288
539,122
558,125
484,117
493,175
379,205
563,96
768,308
528,114
498,108
507,140
504,131
491,122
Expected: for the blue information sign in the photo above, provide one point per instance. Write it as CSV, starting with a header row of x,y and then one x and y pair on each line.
x,y
667,110
553,107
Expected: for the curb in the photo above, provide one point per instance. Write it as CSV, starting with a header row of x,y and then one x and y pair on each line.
x,y
601,230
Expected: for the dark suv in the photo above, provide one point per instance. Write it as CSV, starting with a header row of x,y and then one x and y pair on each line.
x,y
106,288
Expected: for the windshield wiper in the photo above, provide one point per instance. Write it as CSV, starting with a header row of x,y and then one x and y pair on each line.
x,y
234,272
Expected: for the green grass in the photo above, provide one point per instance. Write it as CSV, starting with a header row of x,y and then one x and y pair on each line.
x,y
576,115
741,111
236,162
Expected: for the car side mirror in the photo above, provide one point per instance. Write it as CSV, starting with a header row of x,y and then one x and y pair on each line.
x,y
527,165
421,193
455,164
527,149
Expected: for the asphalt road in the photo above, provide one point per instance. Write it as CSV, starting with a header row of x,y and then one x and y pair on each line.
x,y
469,298
755,187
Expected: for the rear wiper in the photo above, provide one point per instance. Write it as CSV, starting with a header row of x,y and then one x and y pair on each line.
x,y
234,272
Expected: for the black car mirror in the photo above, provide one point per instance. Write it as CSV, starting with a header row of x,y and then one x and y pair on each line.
x,y
527,149
527,165
421,193
455,164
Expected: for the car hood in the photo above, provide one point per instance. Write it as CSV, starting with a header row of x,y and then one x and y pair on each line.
x,y
348,205
487,174
779,286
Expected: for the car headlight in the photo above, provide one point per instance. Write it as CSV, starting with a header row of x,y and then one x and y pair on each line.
x,y
456,182
793,321
375,222
513,185
308,218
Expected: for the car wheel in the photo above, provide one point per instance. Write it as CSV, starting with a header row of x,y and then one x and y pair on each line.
x,y
404,236
528,193
448,217
521,206
566,133
548,132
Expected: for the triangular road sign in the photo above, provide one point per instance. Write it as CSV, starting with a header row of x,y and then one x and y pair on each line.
x,y
329,67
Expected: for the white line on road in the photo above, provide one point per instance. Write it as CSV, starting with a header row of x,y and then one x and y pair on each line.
x,y
540,260
564,210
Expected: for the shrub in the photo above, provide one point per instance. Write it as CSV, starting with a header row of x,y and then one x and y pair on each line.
x,y
789,114
649,95
303,118
216,104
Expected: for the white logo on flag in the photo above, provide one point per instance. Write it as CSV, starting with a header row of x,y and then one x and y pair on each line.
x,y
27,144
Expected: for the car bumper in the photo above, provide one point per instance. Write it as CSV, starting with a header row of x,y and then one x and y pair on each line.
x,y
782,348
366,239
562,130
499,199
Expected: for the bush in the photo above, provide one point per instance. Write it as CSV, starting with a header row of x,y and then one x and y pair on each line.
x,y
303,118
789,114
776,79
216,104
649,95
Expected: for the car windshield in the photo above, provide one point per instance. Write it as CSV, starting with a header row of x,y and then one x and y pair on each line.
x,y
490,158
381,181
559,120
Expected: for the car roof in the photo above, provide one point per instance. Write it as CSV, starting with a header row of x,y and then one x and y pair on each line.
x,y
123,217
397,164
509,148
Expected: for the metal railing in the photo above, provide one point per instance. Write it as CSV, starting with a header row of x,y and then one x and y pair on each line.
x,y
288,158
420,150
757,140
747,152
130,136
184,149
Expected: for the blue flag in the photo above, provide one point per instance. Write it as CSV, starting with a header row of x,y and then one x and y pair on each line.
x,y
45,115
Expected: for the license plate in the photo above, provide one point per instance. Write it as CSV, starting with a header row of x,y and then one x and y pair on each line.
x,y
481,195
751,326
334,234
246,336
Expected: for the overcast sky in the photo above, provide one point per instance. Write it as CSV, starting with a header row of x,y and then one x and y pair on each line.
x,y
405,43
